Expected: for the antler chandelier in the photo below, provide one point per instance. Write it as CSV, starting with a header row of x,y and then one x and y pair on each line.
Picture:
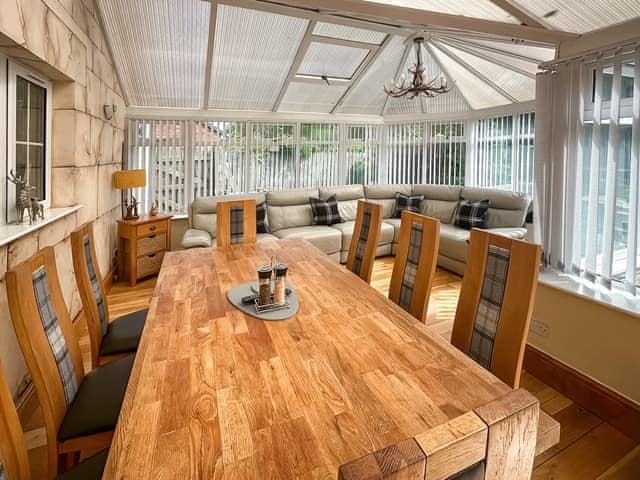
x,y
418,86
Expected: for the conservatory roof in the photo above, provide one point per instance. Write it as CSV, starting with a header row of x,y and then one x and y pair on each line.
x,y
335,56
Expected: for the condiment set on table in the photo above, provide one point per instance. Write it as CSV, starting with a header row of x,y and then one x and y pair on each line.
x,y
272,290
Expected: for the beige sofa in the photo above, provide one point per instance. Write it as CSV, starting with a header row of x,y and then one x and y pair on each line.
x,y
289,215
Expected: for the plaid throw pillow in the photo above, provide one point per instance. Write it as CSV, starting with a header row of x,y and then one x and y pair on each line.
x,y
471,214
410,203
261,218
325,212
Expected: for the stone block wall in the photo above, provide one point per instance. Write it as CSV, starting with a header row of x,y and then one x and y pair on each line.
x,y
63,40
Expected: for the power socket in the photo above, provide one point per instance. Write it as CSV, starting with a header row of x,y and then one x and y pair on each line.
x,y
539,328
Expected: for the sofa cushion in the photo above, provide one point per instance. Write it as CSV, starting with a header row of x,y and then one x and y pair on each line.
x,y
325,212
518,233
203,210
347,196
411,203
385,195
395,223
506,209
453,242
193,238
346,229
440,201
290,208
326,239
471,214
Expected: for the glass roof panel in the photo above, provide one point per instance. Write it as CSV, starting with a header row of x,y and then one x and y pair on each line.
x,y
581,16
485,9
252,55
161,64
542,54
311,97
336,61
344,32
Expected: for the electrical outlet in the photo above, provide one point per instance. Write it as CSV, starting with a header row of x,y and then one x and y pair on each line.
x,y
540,328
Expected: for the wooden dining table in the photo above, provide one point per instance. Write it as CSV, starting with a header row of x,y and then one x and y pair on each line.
x,y
216,393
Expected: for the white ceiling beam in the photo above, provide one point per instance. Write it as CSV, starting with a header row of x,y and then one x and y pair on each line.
x,y
470,50
297,61
343,43
523,16
393,15
476,73
450,79
403,61
371,59
209,65
468,44
313,80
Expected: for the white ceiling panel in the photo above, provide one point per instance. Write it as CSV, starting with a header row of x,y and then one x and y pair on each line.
x,y
252,55
343,32
311,97
336,61
542,54
582,16
485,9
161,63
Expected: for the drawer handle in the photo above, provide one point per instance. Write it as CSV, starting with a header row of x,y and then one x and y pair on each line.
x,y
152,228
152,236
152,255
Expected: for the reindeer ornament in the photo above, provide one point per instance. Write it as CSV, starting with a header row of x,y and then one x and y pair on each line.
x,y
23,196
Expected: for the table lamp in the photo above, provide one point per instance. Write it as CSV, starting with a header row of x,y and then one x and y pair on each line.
x,y
126,180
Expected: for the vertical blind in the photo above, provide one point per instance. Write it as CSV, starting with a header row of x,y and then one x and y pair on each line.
x,y
596,142
186,159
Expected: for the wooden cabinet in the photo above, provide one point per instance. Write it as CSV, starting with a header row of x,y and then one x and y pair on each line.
x,y
142,244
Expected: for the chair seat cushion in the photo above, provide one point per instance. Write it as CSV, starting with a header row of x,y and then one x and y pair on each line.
x,y
91,469
98,401
327,239
123,334
346,228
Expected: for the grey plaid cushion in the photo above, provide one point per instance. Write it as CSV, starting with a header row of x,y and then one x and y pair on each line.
x,y
56,339
410,203
471,214
237,224
411,267
490,305
325,212
261,218
95,286
362,242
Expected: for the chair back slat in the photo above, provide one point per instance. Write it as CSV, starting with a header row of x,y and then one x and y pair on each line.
x,y
236,222
415,264
14,462
364,241
496,303
91,288
49,358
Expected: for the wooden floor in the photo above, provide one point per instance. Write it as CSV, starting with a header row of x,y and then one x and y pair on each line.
x,y
589,448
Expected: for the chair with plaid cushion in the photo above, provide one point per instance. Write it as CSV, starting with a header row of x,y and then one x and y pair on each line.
x,y
109,340
80,410
14,462
496,302
415,264
236,222
364,241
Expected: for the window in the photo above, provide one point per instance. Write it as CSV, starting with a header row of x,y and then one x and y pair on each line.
x,y
28,126
446,153
319,154
405,152
273,157
362,154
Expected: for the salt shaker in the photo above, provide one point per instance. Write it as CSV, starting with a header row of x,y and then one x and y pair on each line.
x,y
264,285
281,281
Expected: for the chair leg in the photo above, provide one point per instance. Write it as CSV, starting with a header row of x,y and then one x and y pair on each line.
x,y
67,460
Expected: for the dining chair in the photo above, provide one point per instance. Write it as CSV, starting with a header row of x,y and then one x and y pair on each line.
x,y
80,410
415,264
109,339
470,446
364,241
14,460
236,222
496,301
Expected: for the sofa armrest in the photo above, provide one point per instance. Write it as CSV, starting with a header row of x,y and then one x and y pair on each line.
x,y
193,238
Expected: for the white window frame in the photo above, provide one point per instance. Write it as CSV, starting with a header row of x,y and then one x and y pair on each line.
x,y
14,70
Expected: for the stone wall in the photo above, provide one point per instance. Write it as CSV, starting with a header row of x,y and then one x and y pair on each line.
x,y
62,40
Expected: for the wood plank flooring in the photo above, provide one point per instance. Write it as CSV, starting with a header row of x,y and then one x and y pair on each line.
x,y
589,448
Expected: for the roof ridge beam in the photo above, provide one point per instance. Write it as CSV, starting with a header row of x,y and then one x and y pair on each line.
x,y
213,15
525,17
415,18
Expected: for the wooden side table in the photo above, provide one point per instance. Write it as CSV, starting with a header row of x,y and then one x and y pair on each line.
x,y
142,244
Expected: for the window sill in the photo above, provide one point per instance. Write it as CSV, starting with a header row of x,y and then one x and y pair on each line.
x,y
614,299
12,232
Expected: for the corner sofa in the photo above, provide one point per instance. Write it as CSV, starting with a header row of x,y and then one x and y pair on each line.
x,y
289,215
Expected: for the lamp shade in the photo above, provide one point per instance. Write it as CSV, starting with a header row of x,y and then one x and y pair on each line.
x,y
124,179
